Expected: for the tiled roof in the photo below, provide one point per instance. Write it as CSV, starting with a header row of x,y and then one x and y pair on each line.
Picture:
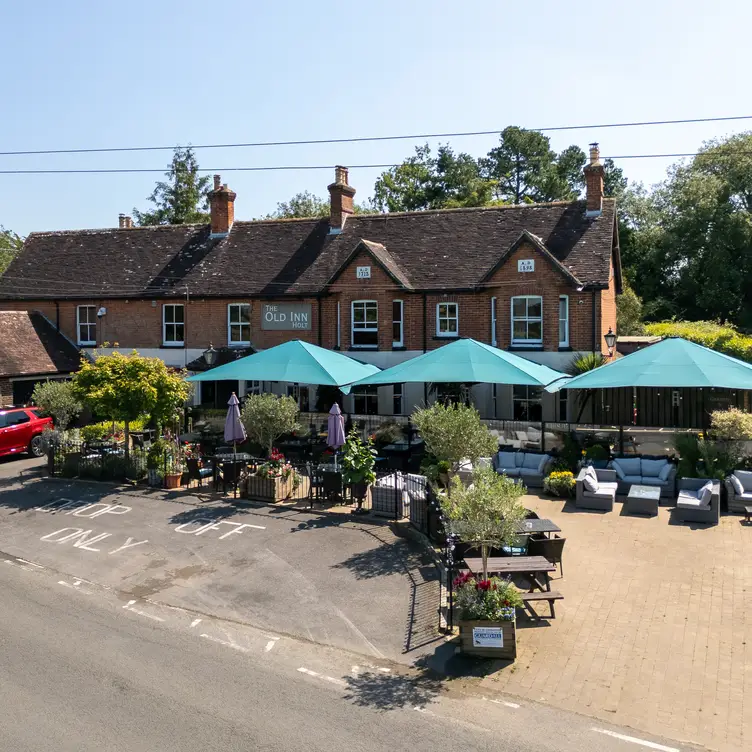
x,y
445,249
30,345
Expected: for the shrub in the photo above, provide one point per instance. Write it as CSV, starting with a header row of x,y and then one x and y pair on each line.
x,y
454,432
58,400
596,452
388,433
723,338
731,425
492,599
358,460
266,417
110,430
560,483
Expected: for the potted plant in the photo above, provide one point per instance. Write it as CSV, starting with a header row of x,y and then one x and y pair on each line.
x,y
155,462
274,480
175,466
358,461
487,611
485,515
560,483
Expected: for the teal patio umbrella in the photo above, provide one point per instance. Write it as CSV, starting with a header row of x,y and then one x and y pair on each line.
x,y
294,361
672,362
465,361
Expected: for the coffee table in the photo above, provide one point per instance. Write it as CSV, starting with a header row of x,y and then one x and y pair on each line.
x,y
643,499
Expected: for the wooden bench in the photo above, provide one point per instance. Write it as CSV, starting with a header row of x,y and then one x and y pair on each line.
x,y
549,595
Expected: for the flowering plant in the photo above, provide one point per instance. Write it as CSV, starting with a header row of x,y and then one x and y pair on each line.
x,y
493,599
560,483
278,467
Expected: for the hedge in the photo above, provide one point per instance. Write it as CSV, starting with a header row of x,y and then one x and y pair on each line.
x,y
723,338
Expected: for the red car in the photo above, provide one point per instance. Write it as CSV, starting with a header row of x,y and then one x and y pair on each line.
x,y
21,431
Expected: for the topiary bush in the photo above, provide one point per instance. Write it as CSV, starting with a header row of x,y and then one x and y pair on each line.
x,y
721,337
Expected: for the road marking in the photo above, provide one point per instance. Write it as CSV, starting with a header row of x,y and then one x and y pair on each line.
x,y
188,528
195,622
74,586
502,702
226,643
635,740
128,544
129,607
316,675
30,563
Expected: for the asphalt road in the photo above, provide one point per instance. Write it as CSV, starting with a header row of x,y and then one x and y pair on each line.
x,y
83,671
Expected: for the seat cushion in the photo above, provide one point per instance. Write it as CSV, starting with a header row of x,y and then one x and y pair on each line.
x,y
666,471
630,465
542,464
652,482
528,472
746,495
689,500
652,468
519,459
590,481
505,459
619,470
705,493
510,472
745,476
737,484
532,460
605,491
635,480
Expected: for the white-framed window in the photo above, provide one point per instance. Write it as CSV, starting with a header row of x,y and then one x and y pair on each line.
x,y
398,394
86,324
527,402
527,320
398,324
447,319
365,400
173,324
365,323
563,321
493,321
238,324
301,394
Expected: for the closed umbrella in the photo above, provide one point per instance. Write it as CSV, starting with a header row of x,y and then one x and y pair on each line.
x,y
335,433
234,433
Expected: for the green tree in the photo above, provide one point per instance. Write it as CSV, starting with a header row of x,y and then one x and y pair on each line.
x,y
124,387
59,400
614,182
629,313
10,245
428,181
182,198
454,432
266,417
486,514
306,204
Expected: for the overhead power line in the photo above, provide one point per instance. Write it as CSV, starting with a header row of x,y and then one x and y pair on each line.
x,y
361,139
219,170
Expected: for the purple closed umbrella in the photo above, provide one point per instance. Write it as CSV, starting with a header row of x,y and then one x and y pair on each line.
x,y
335,429
234,431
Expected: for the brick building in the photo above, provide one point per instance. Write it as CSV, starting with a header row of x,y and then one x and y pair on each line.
x,y
538,279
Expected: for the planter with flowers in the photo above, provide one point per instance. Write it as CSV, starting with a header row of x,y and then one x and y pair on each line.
x,y
487,616
560,483
274,480
358,461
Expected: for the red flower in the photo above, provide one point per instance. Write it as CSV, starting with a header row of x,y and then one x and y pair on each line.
x,y
462,579
483,585
506,603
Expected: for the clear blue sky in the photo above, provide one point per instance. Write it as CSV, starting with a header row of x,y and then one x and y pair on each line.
x,y
163,72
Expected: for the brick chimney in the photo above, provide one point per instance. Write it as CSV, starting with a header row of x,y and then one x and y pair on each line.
x,y
125,222
341,201
121,221
594,183
221,208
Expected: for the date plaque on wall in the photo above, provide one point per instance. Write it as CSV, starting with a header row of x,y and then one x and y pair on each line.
x,y
526,265
363,272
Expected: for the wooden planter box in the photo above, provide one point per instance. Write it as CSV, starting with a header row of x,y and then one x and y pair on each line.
x,y
269,489
507,629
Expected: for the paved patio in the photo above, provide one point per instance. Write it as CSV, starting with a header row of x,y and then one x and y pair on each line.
x,y
655,631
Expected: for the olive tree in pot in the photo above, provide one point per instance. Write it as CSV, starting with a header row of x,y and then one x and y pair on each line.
x,y
485,515
266,417
358,461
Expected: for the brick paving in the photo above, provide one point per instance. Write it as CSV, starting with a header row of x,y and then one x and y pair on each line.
x,y
655,631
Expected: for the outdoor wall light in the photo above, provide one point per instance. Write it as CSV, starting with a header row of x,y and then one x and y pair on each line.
x,y
610,338
210,356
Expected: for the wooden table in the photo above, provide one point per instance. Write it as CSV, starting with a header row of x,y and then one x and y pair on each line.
x,y
531,527
528,566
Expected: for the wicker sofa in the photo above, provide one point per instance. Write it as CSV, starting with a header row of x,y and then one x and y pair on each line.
x,y
689,504
644,471
737,499
530,467
602,498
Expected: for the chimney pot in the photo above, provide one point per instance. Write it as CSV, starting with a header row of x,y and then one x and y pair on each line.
x,y
128,222
217,181
341,200
121,221
594,173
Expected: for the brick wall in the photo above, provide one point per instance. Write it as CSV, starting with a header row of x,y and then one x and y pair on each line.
x,y
6,392
138,323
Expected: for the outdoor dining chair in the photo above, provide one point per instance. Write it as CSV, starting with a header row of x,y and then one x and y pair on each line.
x,y
197,472
550,548
315,483
230,473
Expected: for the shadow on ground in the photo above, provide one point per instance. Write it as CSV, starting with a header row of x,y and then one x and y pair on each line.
x,y
381,691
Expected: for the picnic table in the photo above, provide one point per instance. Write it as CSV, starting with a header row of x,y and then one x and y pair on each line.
x,y
532,527
527,566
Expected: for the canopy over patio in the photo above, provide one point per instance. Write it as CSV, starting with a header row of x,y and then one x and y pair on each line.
x,y
295,361
465,361
672,362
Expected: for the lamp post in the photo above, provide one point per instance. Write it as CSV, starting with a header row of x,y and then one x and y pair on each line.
x,y
610,338
210,356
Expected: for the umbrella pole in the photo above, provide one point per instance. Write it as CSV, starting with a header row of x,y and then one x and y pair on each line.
x,y
235,469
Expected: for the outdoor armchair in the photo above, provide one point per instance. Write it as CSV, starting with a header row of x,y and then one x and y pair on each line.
x,y
739,488
690,506
602,493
